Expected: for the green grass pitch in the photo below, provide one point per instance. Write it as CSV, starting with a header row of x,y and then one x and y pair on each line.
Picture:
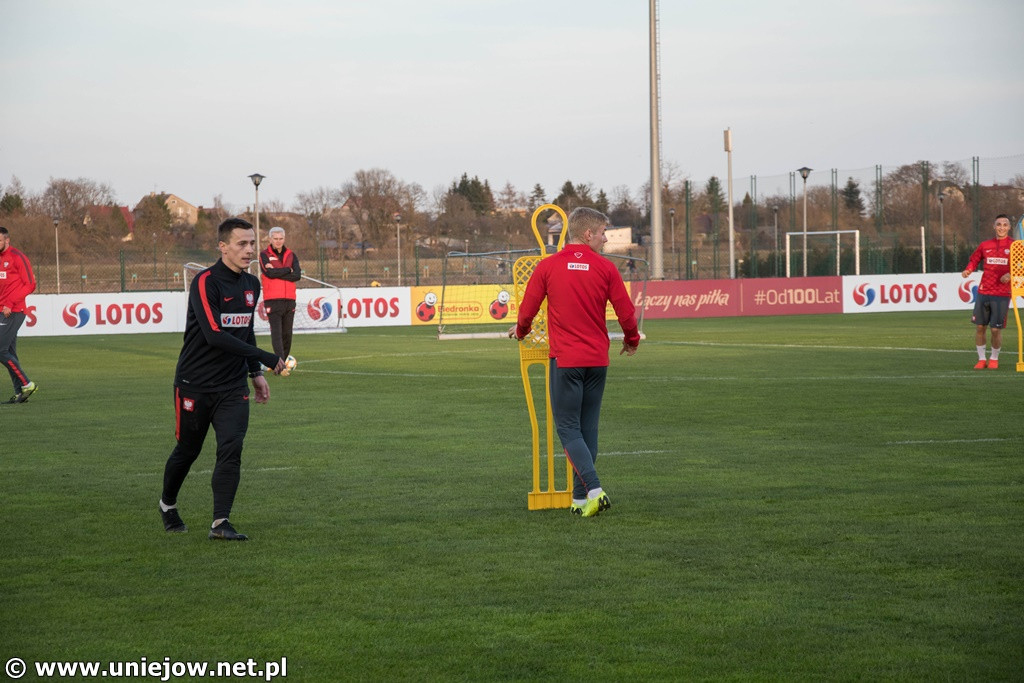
x,y
803,498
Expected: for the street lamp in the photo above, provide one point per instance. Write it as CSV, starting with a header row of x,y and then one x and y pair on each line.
x,y
672,222
804,172
732,229
942,228
256,179
56,249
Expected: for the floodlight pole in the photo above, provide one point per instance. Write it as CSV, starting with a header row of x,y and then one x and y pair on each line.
x,y
732,231
804,172
256,179
56,249
657,246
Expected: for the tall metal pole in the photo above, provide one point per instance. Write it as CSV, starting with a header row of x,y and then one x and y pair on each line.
x,y
56,249
657,262
732,227
805,226
942,228
804,172
775,210
672,223
257,211
689,272
256,179
398,239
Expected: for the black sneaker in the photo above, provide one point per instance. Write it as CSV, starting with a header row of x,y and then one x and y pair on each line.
x,y
12,400
172,521
225,532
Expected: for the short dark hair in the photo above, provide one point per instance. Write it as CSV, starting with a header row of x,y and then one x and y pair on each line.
x,y
3,231
225,228
584,218
1003,215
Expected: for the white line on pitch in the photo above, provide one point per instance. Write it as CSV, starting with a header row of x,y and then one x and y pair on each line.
x,y
245,469
393,355
827,347
400,374
904,443
561,454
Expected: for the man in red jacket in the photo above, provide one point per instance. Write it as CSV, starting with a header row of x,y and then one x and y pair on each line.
x,y
279,271
992,302
578,283
17,281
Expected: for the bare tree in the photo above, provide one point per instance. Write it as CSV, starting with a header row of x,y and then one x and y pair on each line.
x,y
67,200
376,197
510,199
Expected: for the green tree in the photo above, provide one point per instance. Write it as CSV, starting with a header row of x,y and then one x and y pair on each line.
x,y
714,195
573,196
537,197
747,219
477,193
152,215
853,201
11,203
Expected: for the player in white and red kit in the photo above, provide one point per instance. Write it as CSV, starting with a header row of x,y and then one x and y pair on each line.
x,y
993,301
578,283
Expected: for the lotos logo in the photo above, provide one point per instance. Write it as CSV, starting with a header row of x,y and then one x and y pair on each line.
x,y
319,309
864,295
75,315
968,292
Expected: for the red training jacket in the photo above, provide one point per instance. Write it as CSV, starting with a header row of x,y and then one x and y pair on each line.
x,y
995,254
279,273
17,280
578,283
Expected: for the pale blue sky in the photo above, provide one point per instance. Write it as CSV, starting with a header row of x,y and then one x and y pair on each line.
x,y
192,96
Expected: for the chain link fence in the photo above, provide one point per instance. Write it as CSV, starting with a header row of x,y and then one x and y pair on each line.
x,y
912,218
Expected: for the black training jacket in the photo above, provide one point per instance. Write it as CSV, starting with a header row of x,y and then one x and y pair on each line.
x,y
220,346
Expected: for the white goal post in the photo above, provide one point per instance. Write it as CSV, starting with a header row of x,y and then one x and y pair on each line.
x,y
838,234
319,306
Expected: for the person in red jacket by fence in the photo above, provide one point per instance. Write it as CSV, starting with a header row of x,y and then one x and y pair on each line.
x,y
578,283
17,281
279,271
992,302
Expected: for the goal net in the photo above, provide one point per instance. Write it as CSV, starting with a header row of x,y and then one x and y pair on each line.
x,y
478,298
319,306
828,239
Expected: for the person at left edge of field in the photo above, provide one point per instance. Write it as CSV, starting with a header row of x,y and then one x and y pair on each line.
x,y
279,271
210,386
17,281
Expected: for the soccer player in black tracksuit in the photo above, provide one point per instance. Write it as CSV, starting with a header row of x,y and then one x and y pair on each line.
x,y
210,385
